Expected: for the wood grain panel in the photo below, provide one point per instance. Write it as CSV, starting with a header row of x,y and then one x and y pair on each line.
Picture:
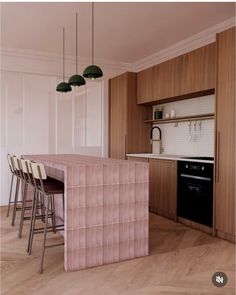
x,y
190,73
146,78
226,55
225,132
163,187
127,131
225,174
201,69
118,117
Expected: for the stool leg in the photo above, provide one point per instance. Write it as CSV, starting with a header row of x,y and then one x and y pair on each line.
x,y
31,220
9,202
15,202
63,206
45,233
23,210
53,214
33,223
42,208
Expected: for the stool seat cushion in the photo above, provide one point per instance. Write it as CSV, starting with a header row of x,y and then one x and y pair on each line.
x,y
53,186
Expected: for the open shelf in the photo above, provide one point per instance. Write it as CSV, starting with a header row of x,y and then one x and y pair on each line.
x,y
208,116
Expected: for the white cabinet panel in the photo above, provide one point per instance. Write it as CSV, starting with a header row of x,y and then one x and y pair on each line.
x,y
94,114
37,95
65,122
14,110
3,110
79,117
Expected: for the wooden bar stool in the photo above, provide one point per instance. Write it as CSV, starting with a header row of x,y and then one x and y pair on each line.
x,y
49,188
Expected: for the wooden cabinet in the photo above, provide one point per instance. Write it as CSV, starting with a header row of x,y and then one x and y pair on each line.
x,y
225,136
190,73
127,131
163,187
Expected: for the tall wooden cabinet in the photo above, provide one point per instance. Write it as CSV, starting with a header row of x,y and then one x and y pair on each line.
x,y
127,131
225,136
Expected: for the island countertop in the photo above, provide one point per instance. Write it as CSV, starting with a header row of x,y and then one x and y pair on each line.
x,y
106,208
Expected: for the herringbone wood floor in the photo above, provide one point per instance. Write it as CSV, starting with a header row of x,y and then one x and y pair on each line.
x,y
181,261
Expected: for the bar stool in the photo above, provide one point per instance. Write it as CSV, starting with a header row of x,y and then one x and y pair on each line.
x,y
9,160
17,173
48,188
28,180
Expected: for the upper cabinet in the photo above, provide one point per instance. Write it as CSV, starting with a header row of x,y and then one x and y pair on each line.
x,y
127,131
190,73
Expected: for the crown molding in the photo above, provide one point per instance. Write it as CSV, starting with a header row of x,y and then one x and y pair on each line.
x,y
54,58
203,38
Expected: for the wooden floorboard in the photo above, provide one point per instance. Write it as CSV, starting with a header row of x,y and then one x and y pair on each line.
x,y
181,261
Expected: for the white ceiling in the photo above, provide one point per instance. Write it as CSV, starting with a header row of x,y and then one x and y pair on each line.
x,y
125,32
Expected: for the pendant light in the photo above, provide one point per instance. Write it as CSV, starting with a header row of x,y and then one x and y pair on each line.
x,y
92,71
76,80
63,86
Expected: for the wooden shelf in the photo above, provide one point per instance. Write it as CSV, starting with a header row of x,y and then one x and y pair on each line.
x,y
209,116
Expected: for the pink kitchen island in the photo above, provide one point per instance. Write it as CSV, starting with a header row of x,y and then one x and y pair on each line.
x,y
106,208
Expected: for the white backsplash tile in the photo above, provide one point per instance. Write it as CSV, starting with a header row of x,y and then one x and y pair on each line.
x,y
177,139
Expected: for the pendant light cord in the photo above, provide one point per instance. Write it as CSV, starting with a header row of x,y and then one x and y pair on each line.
x,y
76,45
63,50
92,33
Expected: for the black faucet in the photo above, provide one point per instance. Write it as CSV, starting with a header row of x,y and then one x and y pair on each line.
x,y
151,134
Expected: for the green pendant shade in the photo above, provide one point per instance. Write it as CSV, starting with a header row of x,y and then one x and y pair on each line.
x,y
76,80
92,72
63,87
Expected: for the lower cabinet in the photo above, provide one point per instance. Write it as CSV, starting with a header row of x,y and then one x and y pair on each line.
x,y
163,187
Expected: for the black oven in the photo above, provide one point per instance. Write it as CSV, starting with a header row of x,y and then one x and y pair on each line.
x,y
195,191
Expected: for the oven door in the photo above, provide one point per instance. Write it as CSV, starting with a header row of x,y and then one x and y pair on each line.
x,y
195,198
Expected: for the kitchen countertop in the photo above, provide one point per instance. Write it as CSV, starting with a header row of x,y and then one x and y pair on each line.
x,y
169,157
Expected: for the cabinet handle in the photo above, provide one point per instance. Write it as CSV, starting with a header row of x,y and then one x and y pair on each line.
x,y
125,148
217,156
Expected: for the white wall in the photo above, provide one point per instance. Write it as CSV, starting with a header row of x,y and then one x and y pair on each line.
x,y
178,140
36,119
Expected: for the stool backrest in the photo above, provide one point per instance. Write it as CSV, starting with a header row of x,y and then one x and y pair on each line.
x,y
26,172
39,173
16,163
9,160
38,170
25,165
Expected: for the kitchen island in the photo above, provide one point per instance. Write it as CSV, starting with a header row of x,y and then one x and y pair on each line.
x,y
106,208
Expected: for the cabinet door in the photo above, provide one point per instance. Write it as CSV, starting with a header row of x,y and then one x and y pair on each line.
x,y
145,85
225,132
201,69
163,187
118,117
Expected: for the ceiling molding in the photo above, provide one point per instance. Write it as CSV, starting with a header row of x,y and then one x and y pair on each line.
x,y
49,57
203,38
